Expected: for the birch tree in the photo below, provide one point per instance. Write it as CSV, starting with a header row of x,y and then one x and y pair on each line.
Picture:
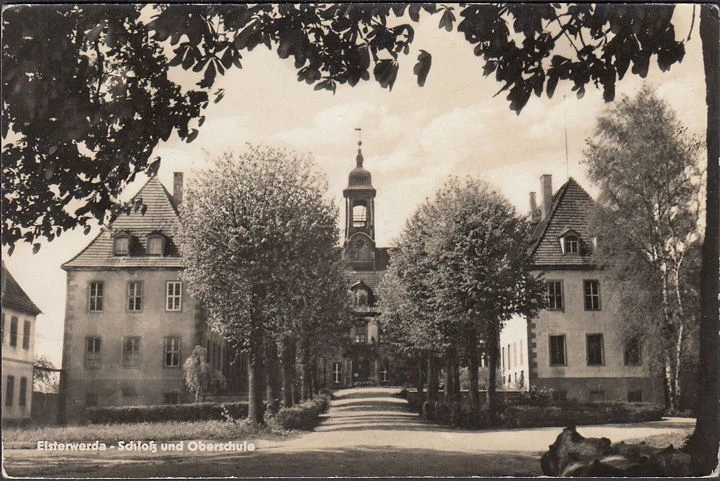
x,y
646,165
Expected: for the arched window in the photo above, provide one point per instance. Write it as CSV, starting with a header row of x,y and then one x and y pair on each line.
x,y
359,215
121,244
156,244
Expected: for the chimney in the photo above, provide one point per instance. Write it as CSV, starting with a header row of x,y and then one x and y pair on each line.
x,y
547,193
177,188
533,207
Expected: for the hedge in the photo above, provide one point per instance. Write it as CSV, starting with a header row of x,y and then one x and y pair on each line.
x,y
459,414
304,416
168,412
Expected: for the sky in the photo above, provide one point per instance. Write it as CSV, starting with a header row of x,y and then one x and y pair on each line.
x,y
413,139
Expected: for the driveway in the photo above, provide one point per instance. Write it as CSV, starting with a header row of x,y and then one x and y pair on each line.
x,y
366,432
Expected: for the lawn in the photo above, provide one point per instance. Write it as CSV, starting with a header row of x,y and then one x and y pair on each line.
x,y
27,437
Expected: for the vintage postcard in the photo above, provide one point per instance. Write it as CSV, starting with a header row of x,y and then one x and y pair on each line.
x,y
359,240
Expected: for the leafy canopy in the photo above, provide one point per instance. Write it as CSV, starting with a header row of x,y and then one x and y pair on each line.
x,y
87,93
259,217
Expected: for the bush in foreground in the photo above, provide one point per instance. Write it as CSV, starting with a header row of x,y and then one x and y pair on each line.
x,y
304,416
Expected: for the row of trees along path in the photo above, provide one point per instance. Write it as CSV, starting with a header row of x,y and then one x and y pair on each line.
x,y
87,94
259,239
459,271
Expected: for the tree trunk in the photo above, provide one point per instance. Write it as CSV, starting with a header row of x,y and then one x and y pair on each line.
x,y
288,370
420,376
274,377
704,442
678,366
306,388
492,352
456,378
472,356
449,378
432,381
256,358
256,371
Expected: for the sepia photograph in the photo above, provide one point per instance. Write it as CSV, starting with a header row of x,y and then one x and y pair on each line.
x,y
360,240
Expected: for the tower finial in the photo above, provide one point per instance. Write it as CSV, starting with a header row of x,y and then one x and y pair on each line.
x,y
359,158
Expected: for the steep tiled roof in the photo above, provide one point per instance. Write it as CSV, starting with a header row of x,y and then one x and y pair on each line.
x,y
160,216
13,297
569,210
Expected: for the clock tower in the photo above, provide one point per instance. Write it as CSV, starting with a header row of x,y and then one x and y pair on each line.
x,y
359,245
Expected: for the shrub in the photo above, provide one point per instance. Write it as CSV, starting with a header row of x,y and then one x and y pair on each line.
x,y
459,414
535,397
304,416
168,412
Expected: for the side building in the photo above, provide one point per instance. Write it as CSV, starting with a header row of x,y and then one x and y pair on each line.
x,y
19,314
574,345
130,323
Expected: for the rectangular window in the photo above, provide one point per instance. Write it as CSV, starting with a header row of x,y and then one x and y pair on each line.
x,y
557,350
559,395
27,327
135,293
597,396
173,296
2,330
571,244
554,295
172,352
631,353
337,372
131,352
521,352
360,339
9,390
384,374
91,400
381,336
595,350
96,297
503,358
172,398
592,295
93,356
515,351
635,396
13,331
22,394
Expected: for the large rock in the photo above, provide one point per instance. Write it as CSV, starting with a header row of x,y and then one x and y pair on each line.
x,y
572,455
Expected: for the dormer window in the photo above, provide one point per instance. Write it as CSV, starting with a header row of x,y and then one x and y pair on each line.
x,y
156,244
570,242
121,245
361,297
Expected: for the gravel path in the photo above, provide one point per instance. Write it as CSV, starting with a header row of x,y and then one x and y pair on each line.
x,y
366,432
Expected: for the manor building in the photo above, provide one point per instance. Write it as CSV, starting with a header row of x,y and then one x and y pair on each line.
x,y
130,322
573,346
19,314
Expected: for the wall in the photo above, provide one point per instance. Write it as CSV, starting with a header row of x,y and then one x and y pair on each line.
x,y
17,362
112,383
575,323
513,340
